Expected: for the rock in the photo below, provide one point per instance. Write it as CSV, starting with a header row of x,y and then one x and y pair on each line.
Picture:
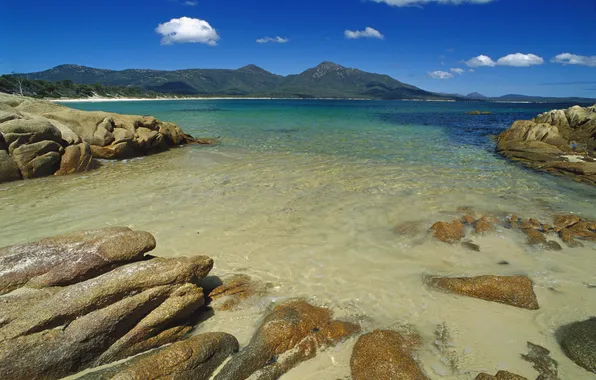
x,y
535,237
448,232
552,245
117,329
233,291
103,133
290,334
172,133
411,229
510,290
66,259
99,292
531,224
147,139
76,159
483,225
38,159
13,305
121,135
542,362
471,246
583,231
9,171
119,150
468,219
8,116
568,238
501,375
578,342
29,131
3,144
479,113
195,358
384,355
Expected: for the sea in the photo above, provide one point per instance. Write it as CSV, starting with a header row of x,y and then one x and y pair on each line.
x,y
331,201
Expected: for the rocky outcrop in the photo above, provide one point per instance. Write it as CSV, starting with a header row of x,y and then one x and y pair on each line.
x,y
511,290
385,355
451,232
560,142
195,358
70,258
44,138
92,298
578,342
290,334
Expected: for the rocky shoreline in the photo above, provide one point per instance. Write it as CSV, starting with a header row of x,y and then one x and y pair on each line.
x,y
83,300
559,142
40,138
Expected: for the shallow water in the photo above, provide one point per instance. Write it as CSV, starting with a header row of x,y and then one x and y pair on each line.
x,y
306,195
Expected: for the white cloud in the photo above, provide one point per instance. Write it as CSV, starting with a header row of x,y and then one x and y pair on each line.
x,y
190,3
471,70
366,33
277,40
573,59
457,71
520,60
515,60
409,3
439,74
187,30
481,60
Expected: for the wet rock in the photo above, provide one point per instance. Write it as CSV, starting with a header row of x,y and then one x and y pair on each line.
x,y
542,362
531,224
9,170
76,159
410,229
468,219
38,159
535,237
152,317
552,245
578,342
195,358
93,294
290,334
582,231
116,151
66,259
385,355
512,221
172,133
564,221
233,291
471,246
501,375
448,232
483,225
510,290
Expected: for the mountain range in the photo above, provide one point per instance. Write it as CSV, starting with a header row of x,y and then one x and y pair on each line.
x,y
327,80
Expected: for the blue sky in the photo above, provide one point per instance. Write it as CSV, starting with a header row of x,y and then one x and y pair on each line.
x,y
415,41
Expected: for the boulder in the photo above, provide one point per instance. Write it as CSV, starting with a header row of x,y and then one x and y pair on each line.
x,y
117,329
448,232
385,355
564,221
3,144
122,135
76,159
233,291
501,375
483,225
7,116
147,139
510,290
195,358
290,334
172,133
106,289
535,237
25,131
115,151
38,159
578,342
103,133
70,258
9,171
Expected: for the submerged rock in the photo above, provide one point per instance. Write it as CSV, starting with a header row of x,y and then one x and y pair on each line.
x,y
542,362
234,290
451,232
195,358
483,225
578,342
501,375
385,355
511,290
290,334
70,258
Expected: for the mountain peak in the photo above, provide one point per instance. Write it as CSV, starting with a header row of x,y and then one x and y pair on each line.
x,y
329,66
476,95
254,69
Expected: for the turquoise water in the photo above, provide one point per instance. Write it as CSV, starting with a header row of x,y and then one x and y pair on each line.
x,y
306,194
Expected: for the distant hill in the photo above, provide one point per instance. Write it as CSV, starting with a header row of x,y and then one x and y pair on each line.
x,y
475,95
327,80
